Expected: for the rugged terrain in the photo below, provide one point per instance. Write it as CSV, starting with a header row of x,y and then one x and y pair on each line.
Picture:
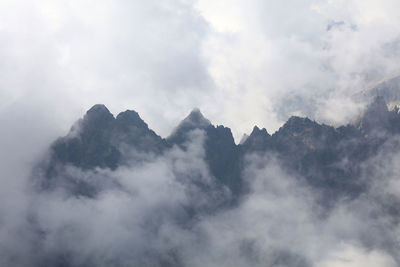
x,y
200,184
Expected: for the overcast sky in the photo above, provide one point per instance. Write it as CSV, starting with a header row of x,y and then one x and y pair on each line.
x,y
241,62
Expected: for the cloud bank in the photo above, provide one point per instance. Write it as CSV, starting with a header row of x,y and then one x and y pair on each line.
x,y
244,63
167,210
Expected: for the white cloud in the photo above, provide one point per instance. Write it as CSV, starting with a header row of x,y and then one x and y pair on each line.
x,y
348,255
243,63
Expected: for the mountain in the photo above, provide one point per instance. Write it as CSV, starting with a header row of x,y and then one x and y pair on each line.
x,y
258,140
312,151
99,140
195,120
327,158
221,152
123,158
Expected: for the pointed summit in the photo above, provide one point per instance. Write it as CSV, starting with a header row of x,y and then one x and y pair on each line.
x,y
91,146
97,117
196,119
129,118
97,112
221,153
258,132
133,132
258,140
98,108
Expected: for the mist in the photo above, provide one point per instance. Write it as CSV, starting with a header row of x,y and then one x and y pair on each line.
x,y
168,210
244,64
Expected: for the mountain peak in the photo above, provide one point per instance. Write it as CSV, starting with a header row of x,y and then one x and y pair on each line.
x,y
297,124
196,110
130,117
259,139
196,118
98,109
97,118
298,120
98,114
257,131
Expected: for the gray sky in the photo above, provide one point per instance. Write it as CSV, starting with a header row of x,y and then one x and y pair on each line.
x,y
241,62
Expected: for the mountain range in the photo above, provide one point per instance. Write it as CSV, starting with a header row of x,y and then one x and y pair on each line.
x,y
200,185
327,158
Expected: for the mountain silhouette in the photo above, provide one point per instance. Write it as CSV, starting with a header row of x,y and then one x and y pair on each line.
x,y
327,158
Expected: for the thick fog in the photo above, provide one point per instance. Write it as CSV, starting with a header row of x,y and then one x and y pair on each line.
x,y
143,216
243,63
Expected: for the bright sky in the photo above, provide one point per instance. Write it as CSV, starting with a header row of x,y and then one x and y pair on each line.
x,y
243,63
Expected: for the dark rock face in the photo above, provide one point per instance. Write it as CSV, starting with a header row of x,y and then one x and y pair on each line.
x,y
221,152
99,137
91,145
100,141
131,131
308,148
327,158
314,152
301,136
258,140
195,120
222,156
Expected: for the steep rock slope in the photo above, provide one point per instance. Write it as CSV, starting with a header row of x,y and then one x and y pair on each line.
x,y
327,158
98,140
221,152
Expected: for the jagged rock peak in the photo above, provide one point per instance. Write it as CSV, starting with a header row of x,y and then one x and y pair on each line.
x,y
128,114
258,140
98,114
295,124
98,109
298,120
130,117
196,119
98,117
257,131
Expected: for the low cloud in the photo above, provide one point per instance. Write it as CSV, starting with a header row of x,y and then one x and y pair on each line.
x,y
253,63
169,210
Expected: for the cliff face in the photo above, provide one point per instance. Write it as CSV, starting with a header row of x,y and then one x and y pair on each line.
x,y
198,176
315,152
